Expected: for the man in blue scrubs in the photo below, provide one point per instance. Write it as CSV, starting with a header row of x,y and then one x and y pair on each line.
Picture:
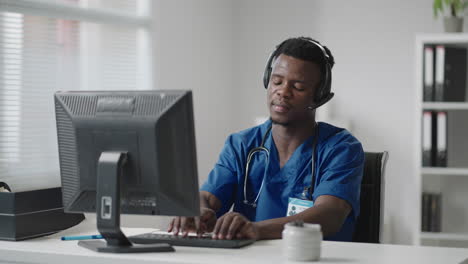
x,y
268,172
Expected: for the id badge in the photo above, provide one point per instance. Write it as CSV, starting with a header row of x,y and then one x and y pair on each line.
x,y
296,205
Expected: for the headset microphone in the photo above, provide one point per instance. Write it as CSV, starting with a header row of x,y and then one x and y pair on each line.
x,y
322,102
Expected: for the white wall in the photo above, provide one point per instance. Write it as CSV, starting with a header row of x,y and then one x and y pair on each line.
x,y
373,45
193,50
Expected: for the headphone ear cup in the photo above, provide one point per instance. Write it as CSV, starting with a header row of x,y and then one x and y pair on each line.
x,y
328,79
322,101
267,72
325,88
266,77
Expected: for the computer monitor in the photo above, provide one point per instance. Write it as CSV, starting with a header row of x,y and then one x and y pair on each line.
x,y
127,151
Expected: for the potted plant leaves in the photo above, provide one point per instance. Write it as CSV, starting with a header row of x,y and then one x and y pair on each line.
x,y
454,21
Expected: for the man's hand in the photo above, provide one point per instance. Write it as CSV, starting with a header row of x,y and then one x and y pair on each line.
x,y
204,223
235,226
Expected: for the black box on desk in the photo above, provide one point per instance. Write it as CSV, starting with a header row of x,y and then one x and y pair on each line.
x,y
32,214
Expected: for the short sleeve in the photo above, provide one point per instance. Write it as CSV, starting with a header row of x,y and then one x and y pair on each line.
x,y
222,180
340,170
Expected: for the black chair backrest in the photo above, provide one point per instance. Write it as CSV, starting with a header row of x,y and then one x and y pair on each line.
x,y
367,227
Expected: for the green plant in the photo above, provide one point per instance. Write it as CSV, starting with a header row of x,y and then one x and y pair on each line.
x,y
455,6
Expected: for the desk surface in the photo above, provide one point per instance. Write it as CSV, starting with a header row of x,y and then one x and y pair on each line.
x,y
52,250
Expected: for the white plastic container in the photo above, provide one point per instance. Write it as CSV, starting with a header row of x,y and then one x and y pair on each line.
x,y
302,242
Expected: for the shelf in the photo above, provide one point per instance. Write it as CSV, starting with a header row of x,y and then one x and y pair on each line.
x,y
443,38
445,106
444,236
444,171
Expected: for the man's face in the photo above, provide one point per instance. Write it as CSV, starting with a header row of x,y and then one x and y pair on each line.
x,y
291,90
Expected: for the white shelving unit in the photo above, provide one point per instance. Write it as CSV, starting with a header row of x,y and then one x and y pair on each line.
x,y
444,106
444,236
444,171
451,182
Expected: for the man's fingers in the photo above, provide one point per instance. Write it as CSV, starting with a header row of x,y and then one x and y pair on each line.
x,y
203,227
176,225
205,216
171,226
197,222
183,226
208,219
199,226
237,222
225,226
218,225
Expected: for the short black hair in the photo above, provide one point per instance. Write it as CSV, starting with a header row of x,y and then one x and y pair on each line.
x,y
302,48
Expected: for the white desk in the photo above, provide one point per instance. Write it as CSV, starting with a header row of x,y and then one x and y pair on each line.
x,y
52,250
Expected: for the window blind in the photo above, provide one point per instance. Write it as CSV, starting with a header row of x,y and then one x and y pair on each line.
x,y
47,46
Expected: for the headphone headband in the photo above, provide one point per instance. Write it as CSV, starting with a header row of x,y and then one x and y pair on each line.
x,y
324,93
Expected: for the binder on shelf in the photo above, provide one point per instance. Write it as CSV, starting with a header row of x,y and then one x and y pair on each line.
x,y
428,72
441,149
450,74
427,139
435,212
431,212
457,142
425,224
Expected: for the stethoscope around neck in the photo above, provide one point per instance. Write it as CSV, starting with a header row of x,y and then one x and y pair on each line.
x,y
307,192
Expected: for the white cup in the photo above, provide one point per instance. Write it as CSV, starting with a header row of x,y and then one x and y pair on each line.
x,y
302,242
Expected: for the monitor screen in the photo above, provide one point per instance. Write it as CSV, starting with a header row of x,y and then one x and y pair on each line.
x,y
135,147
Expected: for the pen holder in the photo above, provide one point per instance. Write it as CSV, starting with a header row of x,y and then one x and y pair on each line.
x,y
302,242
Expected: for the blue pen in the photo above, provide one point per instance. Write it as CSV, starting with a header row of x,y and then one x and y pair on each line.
x,y
82,237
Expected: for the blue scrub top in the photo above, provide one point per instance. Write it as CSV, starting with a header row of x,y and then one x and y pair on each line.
x,y
339,163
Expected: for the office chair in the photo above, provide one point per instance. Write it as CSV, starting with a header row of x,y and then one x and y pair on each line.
x,y
368,223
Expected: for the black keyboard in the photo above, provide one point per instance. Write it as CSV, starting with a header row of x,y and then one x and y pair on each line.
x,y
189,241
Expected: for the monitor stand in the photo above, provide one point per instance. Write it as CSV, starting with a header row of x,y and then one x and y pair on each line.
x,y
110,172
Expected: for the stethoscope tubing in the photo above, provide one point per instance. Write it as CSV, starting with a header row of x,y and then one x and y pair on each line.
x,y
309,190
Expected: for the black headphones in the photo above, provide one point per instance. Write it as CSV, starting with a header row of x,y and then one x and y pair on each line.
x,y
324,93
